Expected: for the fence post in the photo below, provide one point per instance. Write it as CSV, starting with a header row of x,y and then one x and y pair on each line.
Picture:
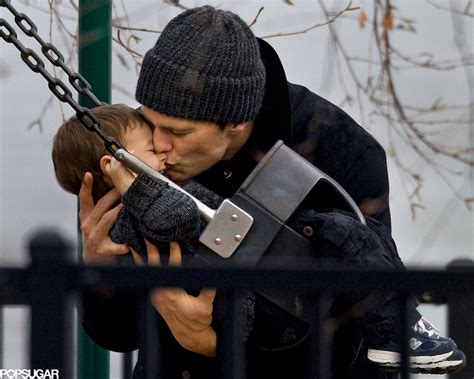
x,y
461,321
321,344
1,336
95,57
51,326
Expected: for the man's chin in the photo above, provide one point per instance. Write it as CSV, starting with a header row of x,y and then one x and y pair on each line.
x,y
176,176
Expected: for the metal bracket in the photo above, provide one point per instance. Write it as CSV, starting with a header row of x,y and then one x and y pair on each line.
x,y
227,230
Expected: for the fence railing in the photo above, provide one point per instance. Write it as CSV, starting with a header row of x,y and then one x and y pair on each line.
x,y
52,280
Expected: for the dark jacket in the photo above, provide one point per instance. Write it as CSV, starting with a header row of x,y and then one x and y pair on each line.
x,y
278,346
330,139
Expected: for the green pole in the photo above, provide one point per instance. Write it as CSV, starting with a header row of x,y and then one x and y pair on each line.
x,y
95,58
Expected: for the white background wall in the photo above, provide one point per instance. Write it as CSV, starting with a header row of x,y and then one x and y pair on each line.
x,y
441,231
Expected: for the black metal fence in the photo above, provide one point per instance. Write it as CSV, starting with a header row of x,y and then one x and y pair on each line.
x,y
52,280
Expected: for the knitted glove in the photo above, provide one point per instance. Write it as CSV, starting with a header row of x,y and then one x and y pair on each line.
x,y
163,212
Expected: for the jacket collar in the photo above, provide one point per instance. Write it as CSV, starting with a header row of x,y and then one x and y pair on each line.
x,y
274,119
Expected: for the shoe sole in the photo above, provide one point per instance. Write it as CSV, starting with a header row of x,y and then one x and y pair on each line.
x,y
438,368
456,363
388,358
445,367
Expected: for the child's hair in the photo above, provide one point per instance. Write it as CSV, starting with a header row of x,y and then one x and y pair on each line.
x,y
77,150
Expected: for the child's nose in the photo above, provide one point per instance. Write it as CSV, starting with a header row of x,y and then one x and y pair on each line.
x,y
161,157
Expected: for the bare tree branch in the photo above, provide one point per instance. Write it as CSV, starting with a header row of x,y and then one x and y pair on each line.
x,y
176,3
347,8
145,30
256,17
466,12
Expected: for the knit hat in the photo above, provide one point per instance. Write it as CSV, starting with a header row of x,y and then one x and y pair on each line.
x,y
204,66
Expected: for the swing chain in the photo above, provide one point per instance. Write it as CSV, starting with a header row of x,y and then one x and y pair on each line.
x,y
56,86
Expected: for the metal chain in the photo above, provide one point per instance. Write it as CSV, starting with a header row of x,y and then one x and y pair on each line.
x,y
56,86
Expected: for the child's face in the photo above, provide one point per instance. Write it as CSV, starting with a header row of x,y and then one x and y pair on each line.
x,y
139,141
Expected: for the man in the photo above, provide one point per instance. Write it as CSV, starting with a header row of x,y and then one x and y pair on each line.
x,y
218,99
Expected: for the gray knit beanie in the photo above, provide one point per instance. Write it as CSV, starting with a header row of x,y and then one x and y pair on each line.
x,y
205,66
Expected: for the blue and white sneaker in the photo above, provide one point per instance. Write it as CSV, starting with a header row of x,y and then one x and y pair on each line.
x,y
426,347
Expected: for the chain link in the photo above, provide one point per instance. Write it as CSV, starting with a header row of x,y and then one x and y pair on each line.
x,y
56,86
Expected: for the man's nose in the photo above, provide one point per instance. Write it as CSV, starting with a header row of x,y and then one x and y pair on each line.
x,y
162,141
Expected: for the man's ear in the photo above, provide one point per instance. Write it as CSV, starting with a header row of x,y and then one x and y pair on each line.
x,y
242,128
104,161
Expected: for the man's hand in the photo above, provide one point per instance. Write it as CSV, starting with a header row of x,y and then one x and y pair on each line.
x,y
189,318
96,221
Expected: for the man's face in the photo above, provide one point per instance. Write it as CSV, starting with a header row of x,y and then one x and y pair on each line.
x,y
191,146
